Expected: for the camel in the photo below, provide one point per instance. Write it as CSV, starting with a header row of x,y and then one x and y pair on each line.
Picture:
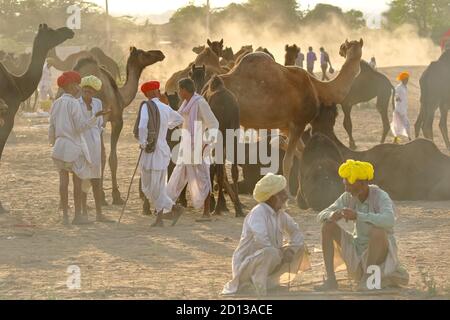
x,y
210,57
291,55
366,86
16,89
227,58
425,178
434,93
225,107
244,50
117,99
274,96
261,49
198,49
96,53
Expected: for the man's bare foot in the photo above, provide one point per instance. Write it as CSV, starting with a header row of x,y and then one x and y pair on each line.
x,y
328,285
177,211
102,218
158,222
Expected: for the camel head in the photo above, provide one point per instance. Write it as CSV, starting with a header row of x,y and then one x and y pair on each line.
x,y
198,75
3,110
50,38
228,54
198,49
247,48
174,100
216,47
291,54
352,49
141,59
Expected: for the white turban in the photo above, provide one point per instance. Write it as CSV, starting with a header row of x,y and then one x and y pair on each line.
x,y
269,186
91,81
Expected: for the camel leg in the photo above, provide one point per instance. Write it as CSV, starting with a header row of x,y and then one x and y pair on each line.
x,y
348,126
443,125
221,203
419,123
235,189
295,132
428,123
103,156
116,128
382,107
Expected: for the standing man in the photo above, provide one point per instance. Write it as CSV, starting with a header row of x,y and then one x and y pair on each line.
x,y
324,61
199,133
70,150
300,58
372,243
400,123
154,120
45,85
311,58
261,259
91,106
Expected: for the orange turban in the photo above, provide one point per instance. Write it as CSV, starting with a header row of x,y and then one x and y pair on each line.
x,y
68,78
149,86
403,76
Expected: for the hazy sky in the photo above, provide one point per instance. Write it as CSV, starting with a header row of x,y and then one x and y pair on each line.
x,y
151,7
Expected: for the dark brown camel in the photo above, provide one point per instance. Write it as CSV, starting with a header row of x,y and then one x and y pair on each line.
x,y
16,89
117,99
224,106
262,86
434,93
291,54
366,86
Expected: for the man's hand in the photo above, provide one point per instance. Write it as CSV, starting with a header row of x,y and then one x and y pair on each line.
x,y
288,255
102,113
349,214
336,216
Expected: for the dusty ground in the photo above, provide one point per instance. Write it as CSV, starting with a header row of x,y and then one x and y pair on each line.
x,y
191,260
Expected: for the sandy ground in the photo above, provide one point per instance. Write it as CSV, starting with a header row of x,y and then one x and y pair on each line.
x,y
191,260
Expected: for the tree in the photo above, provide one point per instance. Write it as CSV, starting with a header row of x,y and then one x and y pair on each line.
x,y
323,12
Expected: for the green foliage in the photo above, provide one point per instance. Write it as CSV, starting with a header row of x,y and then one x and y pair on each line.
x,y
323,12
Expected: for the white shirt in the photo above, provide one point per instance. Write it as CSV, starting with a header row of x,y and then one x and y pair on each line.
x,y
67,124
401,99
169,119
263,227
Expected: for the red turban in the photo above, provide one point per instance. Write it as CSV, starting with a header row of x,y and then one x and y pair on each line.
x,y
68,78
149,86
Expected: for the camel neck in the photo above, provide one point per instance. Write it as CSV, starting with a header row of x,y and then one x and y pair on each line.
x,y
130,88
28,82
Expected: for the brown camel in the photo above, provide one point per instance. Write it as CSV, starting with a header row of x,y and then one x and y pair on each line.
x,y
198,49
274,96
245,50
366,86
291,55
427,177
117,99
434,93
16,89
210,57
265,50
96,53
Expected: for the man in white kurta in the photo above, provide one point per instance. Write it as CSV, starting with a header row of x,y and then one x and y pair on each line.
x,y
45,85
90,106
400,125
264,259
199,132
154,165
70,150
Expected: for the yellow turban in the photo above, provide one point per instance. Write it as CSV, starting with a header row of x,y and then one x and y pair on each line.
x,y
269,186
403,76
91,81
356,170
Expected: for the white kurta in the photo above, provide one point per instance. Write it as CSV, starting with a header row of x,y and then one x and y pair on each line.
x,y
400,123
193,170
154,165
93,136
45,85
258,257
67,123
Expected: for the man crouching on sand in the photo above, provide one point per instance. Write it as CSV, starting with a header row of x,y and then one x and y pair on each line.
x,y
261,259
372,243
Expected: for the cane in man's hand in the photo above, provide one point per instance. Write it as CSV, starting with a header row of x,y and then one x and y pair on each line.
x,y
129,187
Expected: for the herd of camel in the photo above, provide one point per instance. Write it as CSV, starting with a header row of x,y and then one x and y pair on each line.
x,y
250,89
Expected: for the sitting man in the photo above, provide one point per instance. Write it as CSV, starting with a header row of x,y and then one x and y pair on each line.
x,y
261,258
372,242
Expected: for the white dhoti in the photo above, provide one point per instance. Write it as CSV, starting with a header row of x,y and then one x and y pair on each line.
x,y
197,177
400,125
346,257
153,183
